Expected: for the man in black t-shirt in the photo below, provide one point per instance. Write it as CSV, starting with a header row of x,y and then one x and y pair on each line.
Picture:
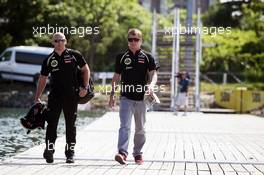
x,y
62,65
134,67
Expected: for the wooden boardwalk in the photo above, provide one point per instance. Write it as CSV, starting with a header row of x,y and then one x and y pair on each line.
x,y
197,144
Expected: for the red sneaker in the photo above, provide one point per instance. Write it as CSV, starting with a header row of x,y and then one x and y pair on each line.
x,y
121,158
139,159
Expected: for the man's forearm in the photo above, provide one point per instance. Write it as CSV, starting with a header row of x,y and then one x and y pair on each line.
x,y
153,77
86,75
41,86
115,81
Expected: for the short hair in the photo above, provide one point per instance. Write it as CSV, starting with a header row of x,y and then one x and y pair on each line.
x,y
134,31
58,34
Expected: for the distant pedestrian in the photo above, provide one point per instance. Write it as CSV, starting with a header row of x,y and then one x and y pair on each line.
x,y
182,98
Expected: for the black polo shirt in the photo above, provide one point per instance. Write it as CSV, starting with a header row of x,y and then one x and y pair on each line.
x,y
134,72
63,72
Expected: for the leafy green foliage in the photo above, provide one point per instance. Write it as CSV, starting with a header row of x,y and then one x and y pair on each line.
x,y
253,17
112,17
224,55
242,51
223,15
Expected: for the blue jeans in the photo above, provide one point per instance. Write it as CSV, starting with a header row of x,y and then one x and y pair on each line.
x,y
127,109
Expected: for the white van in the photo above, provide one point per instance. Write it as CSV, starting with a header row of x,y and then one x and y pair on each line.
x,y
23,63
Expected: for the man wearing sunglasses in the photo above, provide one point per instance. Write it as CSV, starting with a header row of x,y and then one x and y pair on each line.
x,y
62,65
133,67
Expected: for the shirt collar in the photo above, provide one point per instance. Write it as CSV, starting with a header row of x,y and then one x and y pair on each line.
x,y
63,53
137,52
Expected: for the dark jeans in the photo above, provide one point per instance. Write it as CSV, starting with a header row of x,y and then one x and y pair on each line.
x,y
69,107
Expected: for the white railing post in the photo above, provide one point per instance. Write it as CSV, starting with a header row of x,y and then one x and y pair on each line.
x,y
175,58
198,59
154,34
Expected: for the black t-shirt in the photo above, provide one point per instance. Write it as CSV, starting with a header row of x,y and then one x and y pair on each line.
x,y
183,85
63,72
134,72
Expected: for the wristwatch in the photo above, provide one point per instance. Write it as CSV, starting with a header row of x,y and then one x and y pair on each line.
x,y
85,87
112,93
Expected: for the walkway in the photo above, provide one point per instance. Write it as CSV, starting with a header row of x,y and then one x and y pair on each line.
x,y
196,144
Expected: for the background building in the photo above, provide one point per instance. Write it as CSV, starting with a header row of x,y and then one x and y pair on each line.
x,y
163,6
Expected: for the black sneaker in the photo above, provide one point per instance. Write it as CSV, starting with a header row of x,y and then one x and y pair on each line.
x,y
69,159
48,155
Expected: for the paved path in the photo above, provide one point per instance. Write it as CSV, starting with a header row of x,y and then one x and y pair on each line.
x,y
195,144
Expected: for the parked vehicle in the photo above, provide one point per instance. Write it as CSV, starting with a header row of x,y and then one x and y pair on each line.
x,y
23,63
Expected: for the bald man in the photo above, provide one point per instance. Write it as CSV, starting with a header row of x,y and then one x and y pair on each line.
x,y
62,65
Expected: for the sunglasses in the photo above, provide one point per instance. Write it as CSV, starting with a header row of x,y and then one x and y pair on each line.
x,y
133,39
59,40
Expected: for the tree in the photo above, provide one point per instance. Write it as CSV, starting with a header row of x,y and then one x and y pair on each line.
x,y
243,50
224,14
225,55
253,17
17,20
112,17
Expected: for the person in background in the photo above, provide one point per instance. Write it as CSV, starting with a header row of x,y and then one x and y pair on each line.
x,y
182,98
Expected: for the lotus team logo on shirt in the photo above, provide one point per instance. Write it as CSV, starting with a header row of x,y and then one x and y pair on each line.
x,y
54,63
127,61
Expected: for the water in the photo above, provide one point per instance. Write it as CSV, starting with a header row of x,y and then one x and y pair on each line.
x,y
13,137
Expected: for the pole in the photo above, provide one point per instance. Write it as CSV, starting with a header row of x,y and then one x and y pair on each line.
x,y
177,51
188,40
198,58
175,58
173,63
154,34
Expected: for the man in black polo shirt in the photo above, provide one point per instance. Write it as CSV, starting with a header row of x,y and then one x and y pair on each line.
x,y
62,65
134,67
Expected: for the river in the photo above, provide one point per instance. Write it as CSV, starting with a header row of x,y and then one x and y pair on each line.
x,y
13,137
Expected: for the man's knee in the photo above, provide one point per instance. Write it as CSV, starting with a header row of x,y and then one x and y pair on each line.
x,y
125,127
71,131
139,131
52,125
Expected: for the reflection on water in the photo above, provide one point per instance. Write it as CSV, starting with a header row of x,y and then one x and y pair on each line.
x,y
13,137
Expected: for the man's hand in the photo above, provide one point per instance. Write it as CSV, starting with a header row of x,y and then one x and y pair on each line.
x,y
115,80
111,101
37,100
82,92
153,80
150,90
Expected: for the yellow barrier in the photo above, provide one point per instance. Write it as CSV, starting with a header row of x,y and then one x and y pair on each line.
x,y
241,99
